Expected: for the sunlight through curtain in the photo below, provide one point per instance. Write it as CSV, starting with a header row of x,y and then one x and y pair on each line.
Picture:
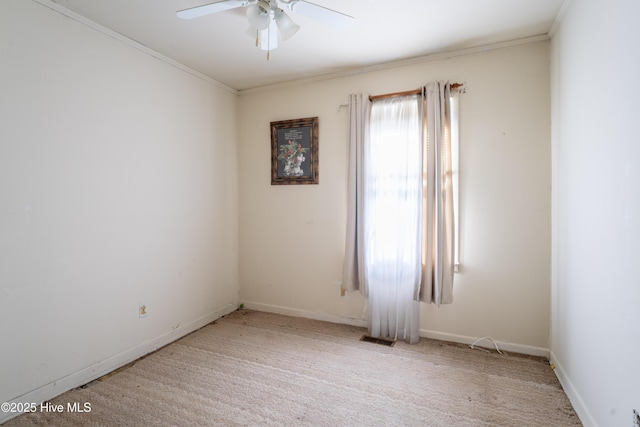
x,y
438,225
400,239
393,216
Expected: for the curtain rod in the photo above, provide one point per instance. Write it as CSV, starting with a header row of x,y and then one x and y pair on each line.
x,y
408,92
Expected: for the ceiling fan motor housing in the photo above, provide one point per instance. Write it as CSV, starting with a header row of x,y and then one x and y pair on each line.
x,y
267,19
259,15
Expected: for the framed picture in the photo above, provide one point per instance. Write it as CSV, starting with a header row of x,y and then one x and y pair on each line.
x,y
294,151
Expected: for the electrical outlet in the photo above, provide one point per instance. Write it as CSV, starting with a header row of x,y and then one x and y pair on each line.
x,y
142,310
636,418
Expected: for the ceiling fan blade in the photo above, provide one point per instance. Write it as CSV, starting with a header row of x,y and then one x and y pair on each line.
x,y
206,9
323,14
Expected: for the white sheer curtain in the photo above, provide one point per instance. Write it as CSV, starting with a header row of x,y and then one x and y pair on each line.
x,y
392,217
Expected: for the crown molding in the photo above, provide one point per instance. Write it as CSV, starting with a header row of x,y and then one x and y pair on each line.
x,y
559,17
132,43
400,63
50,4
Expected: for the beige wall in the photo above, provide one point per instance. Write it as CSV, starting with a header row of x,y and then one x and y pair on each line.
x,y
121,177
117,186
292,237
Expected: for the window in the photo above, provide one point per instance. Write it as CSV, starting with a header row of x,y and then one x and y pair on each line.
x,y
402,200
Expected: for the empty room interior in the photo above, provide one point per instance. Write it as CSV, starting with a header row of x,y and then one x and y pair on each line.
x,y
137,203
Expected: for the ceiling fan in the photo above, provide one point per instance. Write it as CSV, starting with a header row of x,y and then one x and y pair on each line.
x,y
267,17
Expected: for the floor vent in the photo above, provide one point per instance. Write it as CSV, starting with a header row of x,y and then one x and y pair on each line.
x,y
382,341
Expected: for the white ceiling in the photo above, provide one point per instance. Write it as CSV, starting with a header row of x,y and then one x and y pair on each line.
x,y
217,45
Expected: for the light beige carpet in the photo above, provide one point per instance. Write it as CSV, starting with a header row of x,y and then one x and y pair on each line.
x,y
258,369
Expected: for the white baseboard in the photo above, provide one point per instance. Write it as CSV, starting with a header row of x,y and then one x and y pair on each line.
x,y
277,309
502,345
103,367
112,363
574,397
462,339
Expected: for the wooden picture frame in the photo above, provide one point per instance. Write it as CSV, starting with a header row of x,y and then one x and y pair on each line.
x,y
294,151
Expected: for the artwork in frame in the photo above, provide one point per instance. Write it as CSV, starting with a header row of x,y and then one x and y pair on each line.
x,y
294,151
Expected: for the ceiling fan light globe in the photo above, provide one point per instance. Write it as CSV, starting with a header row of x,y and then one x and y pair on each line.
x,y
258,17
268,39
286,26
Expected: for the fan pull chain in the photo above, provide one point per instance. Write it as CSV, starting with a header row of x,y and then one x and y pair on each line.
x,y
269,43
